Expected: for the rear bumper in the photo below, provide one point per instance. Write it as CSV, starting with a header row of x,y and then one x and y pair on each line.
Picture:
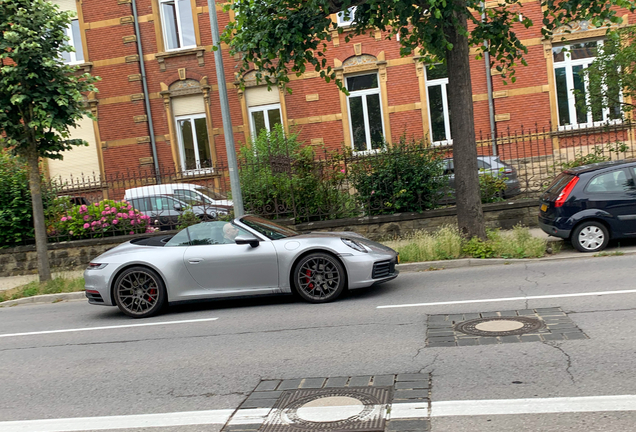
x,y
551,229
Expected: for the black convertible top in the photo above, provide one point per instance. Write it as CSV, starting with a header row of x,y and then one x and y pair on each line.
x,y
152,241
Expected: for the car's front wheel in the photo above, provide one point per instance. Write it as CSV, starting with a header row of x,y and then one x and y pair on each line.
x,y
590,237
139,292
319,278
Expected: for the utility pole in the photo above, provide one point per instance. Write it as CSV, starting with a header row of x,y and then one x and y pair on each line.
x,y
235,183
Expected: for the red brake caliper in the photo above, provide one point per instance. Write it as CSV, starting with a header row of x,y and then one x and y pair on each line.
x,y
152,294
308,273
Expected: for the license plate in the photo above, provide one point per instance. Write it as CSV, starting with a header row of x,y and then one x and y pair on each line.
x,y
544,207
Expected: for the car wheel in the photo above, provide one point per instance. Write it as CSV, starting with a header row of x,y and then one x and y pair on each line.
x,y
139,292
319,278
590,237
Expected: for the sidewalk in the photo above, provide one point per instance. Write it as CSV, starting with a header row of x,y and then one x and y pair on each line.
x,y
9,282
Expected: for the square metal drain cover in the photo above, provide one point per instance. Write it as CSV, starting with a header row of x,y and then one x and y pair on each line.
x,y
330,410
509,326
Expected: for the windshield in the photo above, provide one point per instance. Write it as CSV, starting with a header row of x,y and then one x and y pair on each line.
x,y
210,193
269,229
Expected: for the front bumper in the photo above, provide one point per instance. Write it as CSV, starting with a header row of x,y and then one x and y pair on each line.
x,y
366,270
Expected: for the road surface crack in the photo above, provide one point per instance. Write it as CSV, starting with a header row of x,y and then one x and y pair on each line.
x,y
428,365
567,357
527,279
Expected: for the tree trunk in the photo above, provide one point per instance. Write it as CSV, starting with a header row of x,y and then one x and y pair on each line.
x,y
470,216
44,270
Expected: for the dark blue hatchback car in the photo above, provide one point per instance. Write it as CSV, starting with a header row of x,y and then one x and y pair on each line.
x,y
591,204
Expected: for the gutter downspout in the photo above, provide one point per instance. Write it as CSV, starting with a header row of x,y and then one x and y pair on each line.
x,y
491,101
142,67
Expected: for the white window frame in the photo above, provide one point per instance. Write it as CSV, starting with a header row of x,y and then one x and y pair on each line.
x,y
265,108
347,23
443,82
179,26
73,55
367,128
198,170
568,64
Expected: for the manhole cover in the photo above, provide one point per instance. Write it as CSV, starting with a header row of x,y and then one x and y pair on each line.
x,y
334,410
499,326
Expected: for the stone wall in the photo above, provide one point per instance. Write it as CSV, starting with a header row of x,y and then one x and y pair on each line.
x,y
76,255
503,215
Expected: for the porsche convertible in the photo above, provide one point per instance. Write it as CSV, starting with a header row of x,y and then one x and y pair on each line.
x,y
246,257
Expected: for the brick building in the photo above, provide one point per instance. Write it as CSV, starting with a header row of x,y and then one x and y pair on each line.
x,y
390,96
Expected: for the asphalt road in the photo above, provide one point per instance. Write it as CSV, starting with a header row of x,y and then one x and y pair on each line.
x,y
201,364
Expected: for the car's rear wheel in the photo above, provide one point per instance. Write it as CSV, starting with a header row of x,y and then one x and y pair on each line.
x,y
140,292
319,278
590,237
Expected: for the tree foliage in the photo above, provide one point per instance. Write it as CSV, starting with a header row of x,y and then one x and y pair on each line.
x,y
41,98
612,75
279,38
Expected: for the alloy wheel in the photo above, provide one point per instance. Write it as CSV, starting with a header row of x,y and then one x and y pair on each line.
x,y
319,278
138,293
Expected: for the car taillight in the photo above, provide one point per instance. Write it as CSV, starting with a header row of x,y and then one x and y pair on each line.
x,y
565,193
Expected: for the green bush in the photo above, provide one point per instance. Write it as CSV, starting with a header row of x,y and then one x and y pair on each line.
x,y
281,177
491,186
187,218
16,213
597,155
404,177
106,218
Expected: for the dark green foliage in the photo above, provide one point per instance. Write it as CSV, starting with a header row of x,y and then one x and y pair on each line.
x,y
598,154
16,219
281,177
37,89
491,186
404,177
612,75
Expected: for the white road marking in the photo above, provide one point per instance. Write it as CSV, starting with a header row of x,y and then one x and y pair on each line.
x,y
107,327
598,293
397,411
534,406
218,417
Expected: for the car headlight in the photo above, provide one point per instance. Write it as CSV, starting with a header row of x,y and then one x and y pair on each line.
x,y
354,245
96,266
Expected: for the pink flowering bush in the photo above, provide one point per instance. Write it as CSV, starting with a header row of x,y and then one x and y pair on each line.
x,y
105,218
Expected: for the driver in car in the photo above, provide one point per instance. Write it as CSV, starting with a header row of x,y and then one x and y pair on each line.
x,y
229,233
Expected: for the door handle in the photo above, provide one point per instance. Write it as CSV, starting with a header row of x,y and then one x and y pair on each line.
x,y
195,260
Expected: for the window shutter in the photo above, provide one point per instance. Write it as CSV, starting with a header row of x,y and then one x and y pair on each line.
x,y
256,96
187,105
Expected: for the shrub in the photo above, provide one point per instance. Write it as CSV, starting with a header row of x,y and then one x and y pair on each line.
x,y
491,186
16,213
279,176
404,177
106,218
597,155
187,218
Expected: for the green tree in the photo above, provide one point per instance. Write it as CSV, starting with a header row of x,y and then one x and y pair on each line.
x,y
40,97
283,37
612,75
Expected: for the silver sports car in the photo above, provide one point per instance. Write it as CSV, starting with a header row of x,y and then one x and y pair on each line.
x,y
248,256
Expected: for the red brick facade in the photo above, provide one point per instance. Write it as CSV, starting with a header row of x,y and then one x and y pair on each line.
x,y
315,108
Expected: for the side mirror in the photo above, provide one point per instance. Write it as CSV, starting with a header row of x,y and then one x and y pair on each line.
x,y
178,208
252,241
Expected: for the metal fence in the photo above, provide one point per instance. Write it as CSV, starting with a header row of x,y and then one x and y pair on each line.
x,y
312,185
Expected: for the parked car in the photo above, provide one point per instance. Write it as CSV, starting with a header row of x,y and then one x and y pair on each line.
x,y
591,204
143,275
164,211
192,194
488,165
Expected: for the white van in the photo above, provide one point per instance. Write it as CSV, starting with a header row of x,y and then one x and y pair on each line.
x,y
192,194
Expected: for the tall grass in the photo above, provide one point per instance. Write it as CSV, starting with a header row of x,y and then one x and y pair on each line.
x,y
446,243
54,286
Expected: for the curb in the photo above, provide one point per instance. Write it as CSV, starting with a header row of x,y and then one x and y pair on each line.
x,y
406,268
45,298
478,262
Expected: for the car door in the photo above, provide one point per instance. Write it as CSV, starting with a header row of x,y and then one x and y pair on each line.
x,y
614,192
230,269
